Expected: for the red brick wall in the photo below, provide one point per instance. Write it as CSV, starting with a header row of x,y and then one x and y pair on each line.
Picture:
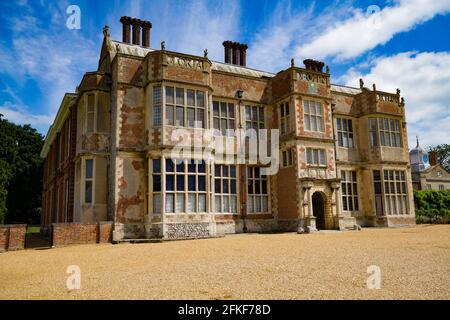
x,y
12,237
64,234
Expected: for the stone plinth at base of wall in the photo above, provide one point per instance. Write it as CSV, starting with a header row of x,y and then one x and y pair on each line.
x,y
12,237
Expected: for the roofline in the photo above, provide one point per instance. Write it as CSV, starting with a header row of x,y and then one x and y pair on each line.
x,y
61,116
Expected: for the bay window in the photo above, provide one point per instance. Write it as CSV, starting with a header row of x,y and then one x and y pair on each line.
x,y
313,115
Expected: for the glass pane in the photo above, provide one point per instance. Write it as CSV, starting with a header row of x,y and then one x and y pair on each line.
x,y
179,205
169,202
225,186
261,114
202,203
190,97
226,204
180,96
200,99
180,117
216,123
156,165
316,156
217,186
233,186
232,171
313,124
169,95
191,166
180,183
156,182
257,204
89,168
180,166
88,192
170,182
169,165
248,113
201,183
216,109
157,115
265,204
250,204
157,95
202,167
218,203
191,205
225,171
169,115
90,122
156,203
233,204
191,117
231,110
200,118
223,109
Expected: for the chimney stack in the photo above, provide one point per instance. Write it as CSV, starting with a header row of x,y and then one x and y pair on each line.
x,y
137,24
235,53
432,157
126,24
146,26
314,65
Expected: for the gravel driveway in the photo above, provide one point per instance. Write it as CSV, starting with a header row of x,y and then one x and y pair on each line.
x,y
414,264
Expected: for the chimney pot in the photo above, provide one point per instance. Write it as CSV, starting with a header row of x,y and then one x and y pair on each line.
x,y
146,26
235,53
136,23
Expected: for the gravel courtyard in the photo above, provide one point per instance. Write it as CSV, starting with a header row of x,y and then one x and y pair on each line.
x,y
414,262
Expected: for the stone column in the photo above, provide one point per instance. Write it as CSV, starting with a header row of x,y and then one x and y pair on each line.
x,y
335,203
307,223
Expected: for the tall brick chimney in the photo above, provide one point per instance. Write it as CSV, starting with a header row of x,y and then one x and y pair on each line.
x,y
146,26
126,28
136,25
235,53
432,158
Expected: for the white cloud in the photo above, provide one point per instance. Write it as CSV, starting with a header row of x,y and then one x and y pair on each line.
x,y
20,114
364,31
46,52
423,79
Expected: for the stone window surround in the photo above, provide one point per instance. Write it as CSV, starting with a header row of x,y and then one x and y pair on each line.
x,y
210,202
85,112
163,85
260,195
84,180
350,135
376,130
353,195
319,119
284,114
383,194
286,158
228,195
318,164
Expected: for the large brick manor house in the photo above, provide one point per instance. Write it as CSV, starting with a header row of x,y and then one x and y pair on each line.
x,y
343,151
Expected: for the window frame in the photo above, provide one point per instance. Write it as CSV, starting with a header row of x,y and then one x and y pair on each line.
x,y
344,129
349,191
285,118
176,105
319,119
226,195
86,179
379,134
321,154
256,197
286,158
227,118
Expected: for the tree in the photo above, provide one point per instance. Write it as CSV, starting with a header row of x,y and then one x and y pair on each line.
x,y
20,173
443,154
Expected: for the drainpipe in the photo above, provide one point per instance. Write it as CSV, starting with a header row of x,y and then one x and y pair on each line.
x,y
240,94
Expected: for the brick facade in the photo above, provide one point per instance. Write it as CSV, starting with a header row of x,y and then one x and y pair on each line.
x,y
64,234
122,124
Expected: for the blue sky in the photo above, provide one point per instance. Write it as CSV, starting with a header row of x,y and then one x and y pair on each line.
x,y
396,44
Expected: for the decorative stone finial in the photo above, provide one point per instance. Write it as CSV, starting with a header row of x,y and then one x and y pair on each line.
x,y
205,53
417,138
163,45
398,91
292,62
106,31
374,87
327,70
361,83
402,102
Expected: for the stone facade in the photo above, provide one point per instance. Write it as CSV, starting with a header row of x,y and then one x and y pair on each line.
x,y
336,166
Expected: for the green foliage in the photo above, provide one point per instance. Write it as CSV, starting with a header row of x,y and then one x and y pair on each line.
x,y
432,206
20,173
443,154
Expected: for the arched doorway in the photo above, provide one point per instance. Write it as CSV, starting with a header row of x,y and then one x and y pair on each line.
x,y
318,203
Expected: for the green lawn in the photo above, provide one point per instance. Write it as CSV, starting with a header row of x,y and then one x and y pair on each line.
x,y
33,229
